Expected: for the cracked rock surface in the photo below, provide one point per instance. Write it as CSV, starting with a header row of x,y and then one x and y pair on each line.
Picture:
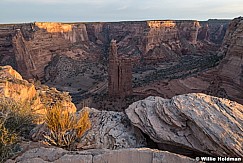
x,y
139,155
111,130
194,121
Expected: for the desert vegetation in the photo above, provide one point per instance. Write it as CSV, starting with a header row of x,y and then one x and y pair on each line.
x,y
186,66
65,127
16,121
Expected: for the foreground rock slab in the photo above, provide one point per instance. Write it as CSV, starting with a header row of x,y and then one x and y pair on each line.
x,y
194,121
111,130
139,155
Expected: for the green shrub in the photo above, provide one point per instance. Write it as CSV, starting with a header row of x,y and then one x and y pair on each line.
x,y
65,127
15,122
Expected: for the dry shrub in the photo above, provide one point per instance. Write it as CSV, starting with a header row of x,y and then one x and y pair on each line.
x,y
65,127
7,143
15,122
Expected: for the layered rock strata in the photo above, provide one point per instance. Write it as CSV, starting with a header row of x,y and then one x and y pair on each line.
x,y
119,74
30,47
198,122
231,67
224,80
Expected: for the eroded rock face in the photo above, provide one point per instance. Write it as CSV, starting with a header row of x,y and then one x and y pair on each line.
x,y
194,121
35,45
231,67
12,85
223,80
30,47
213,30
110,130
139,155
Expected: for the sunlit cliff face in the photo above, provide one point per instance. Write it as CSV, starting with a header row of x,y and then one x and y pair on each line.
x,y
55,27
197,24
159,24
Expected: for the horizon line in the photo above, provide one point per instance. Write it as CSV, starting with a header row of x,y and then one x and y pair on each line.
x,y
117,21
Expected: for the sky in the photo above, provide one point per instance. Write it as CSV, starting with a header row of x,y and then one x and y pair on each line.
x,y
23,11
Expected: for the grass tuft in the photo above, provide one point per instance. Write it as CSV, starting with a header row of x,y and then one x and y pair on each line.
x,y
65,127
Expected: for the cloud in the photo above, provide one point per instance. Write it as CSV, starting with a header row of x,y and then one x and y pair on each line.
x,y
62,1
116,10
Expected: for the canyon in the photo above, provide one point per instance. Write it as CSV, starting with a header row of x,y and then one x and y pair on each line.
x,y
30,47
74,57
223,80
154,129
149,86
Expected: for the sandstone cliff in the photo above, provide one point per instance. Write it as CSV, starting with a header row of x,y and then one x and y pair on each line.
x,y
13,86
231,67
48,40
195,122
7,50
224,80
39,97
30,47
213,30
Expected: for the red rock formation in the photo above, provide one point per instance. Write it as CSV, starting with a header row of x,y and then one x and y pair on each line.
x,y
119,73
23,56
213,30
33,45
225,80
12,85
194,33
231,67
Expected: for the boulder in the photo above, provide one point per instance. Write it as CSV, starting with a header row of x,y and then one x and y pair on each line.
x,y
111,130
199,122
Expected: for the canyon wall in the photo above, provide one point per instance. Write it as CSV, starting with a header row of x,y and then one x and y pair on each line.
x,y
224,80
213,30
30,47
232,48
230,69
